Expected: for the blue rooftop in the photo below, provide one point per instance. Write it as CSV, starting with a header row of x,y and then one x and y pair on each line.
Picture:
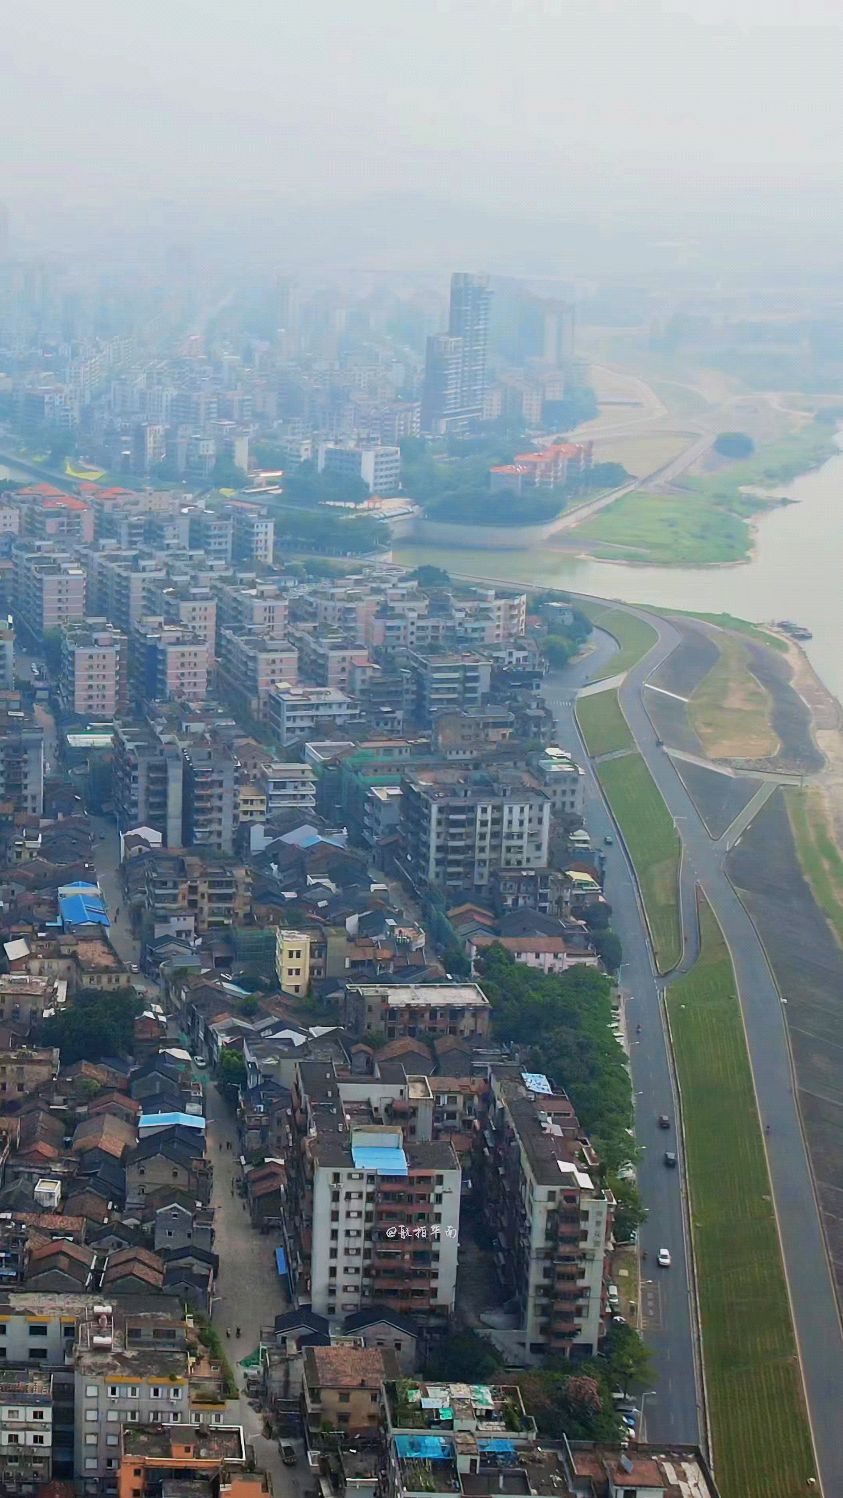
x,y
83,910
385,1162
167,1120
280,1261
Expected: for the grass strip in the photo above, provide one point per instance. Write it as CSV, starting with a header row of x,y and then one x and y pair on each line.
x,y
760,1433
634,636
603,724
819,855
654,848
730,709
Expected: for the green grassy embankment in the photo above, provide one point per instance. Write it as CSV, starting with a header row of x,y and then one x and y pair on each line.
x,y
760,1434
730,711
819,854
731,622
634,636
654,848
705,521
603,724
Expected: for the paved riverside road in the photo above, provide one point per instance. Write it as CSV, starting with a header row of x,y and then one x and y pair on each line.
x,y
815,1310
816,1317
673,1411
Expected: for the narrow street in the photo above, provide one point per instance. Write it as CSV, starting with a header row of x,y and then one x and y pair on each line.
x,y
248,1291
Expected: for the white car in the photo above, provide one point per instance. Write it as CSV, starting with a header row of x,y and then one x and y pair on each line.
x,y
664,1258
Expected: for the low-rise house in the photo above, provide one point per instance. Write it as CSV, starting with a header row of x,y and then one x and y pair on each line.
x,y
177,1225
343,1387
265,1193
132,1271
26,1070
61,1267
378,1326
172,1157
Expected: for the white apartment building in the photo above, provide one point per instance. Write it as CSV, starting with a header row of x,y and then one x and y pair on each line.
x,y
299,712
26,1429
288,787
550,1217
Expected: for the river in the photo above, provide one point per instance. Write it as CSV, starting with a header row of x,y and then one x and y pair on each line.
x,y
796,571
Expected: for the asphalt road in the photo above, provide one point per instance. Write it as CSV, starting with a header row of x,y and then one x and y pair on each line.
x,y
672,1411
815,1310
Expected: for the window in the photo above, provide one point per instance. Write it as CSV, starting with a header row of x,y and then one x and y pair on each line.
x,y
91,1464
91,1440
131,1391
156,1392
113,1415
38,1439
176,1393
92,1415
37,1331
113,1391
38,1414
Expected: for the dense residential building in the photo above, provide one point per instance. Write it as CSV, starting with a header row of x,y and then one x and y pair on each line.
x,y
49,588
554,467
455,367
170,662
254,535
327,659
295,713
353,1193
563,779
148,781
7,657
292,961
210,802
342,1389
158,1459
549,1217
21,764
246,603
445,682
251,664
26,1429
93,674
398,1010
287,787
379,467
459,827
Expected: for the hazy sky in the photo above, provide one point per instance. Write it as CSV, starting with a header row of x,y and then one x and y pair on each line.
x,y
162,114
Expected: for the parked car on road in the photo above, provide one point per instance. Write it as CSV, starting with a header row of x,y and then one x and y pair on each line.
x,y
664,1258
288,1453
664,1121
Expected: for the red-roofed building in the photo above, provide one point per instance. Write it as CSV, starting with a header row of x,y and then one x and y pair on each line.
x,y
553,467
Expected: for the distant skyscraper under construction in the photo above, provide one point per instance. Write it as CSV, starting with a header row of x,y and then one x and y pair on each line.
x,y
455,366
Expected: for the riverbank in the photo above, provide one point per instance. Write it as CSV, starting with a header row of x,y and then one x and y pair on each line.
x,y
709,520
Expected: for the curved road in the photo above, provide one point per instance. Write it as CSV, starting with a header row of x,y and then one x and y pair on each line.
x,y
673,1411
815,1311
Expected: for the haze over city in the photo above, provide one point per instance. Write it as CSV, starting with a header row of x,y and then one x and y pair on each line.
x,y
518,132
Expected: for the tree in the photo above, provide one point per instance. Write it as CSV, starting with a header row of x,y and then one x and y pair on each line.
x,y
628,1360
225,473
734,445
51,642
431,577
630,1212
608,948
231,1069
94,1025
465,1357
565,1018
456,963
558,649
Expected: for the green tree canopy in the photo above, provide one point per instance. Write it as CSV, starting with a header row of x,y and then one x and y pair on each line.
x,y
464,1357
94,1025
734,445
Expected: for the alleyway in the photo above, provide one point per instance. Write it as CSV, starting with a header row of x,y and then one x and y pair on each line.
x,y
248,1293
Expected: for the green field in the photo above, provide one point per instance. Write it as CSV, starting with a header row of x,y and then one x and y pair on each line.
x,y
819,855
634,636
704,521
760,1434
602,723
654,848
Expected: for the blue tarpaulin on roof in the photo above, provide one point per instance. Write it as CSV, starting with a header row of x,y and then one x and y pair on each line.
x,y
497,1445
280,1261
419,1448
385,1162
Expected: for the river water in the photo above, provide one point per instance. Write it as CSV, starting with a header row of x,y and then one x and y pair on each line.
x,y
796,571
